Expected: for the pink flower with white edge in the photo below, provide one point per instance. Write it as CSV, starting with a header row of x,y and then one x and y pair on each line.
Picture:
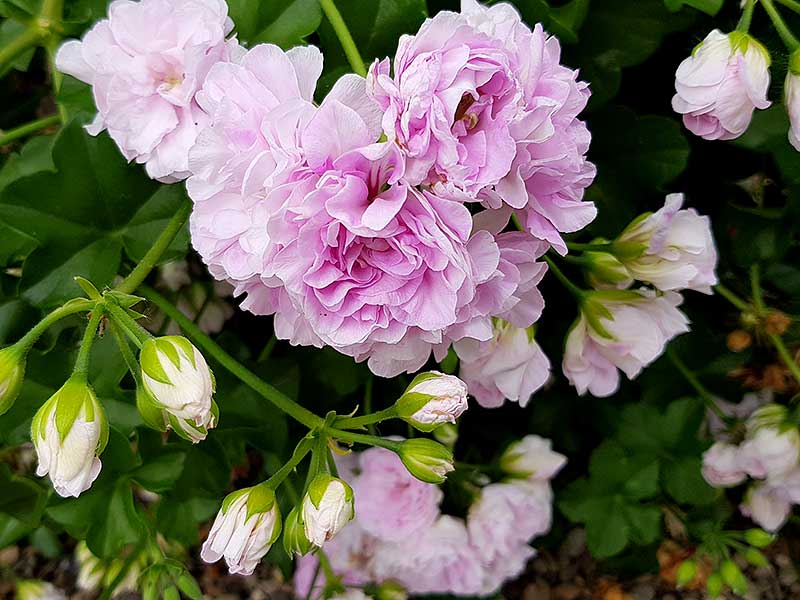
x,y
720,85
792,96
767,505
532,458
392,504
431,400
510,366
672,249
722,465
770,452
145,63
619,331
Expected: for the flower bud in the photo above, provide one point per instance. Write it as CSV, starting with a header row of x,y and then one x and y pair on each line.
x,y
294,534
391,590
447,434
161,420
69,431
733,577
758,538
12,372
686,573
770,452
714,585
756,558
38,590
246,526
177,377
605,270
722,465
426,460
532,457
432,399
327,507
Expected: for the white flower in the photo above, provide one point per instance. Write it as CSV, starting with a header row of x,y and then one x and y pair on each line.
x,y
246,526
327,507
432,399
532,457
624,330
68,432
722,465
673,248
767,506
176,375
792,95
770,452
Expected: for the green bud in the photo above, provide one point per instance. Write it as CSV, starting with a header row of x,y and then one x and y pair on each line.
x,y
12,372
391,590
686,573
714,585
758,538
426,460
446,434
794,63
188,585
756,557
294,534
605,269
152,414
733,577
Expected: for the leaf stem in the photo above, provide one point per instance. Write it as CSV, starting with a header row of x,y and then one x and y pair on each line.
x,y
26,39
366,420
300,451
791,5
783,30
603,246
707,396
785,355
70,308
125,350
151,258
136,332
732,298
747,16
574,289
343,33
280,400
82,361
755,287
9,136
360,438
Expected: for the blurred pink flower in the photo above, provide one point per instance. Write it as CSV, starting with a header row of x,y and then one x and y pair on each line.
x,y
722,465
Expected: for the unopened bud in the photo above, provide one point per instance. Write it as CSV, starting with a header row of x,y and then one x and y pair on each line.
x,y
758,538
733,577
431,400
294,534
532,457
12,372
714,585
327,507
686,573
426,460
606,270
391,590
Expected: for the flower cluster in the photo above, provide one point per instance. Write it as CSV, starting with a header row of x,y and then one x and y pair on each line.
x,y
769,454
400,535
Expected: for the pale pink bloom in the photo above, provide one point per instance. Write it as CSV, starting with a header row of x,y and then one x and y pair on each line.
x,y
720,84
740,411
770,452
392,504
722,465
509,366
678,248
636,334
445,400
768,506
145,63
532,458
792,93
484,110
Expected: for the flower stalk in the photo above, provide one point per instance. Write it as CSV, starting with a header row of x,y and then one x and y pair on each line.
x,y
343,33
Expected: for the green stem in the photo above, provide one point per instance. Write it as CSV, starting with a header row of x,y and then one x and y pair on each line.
x,y
732,298
82,362
283,402
368,401
601,247
791,5
755,286
780,25
747,16
786,357
26,39
366,420
149,261
303,448
125,350
9,136
360,438
136,332
343,33
70,308
574,289
707,396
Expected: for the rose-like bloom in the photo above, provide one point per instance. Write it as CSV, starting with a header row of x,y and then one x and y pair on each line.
x,y
69,431
432,399
767,505
145,63
509,366
392,504
792,95
625,332
327,507
677,248
12,372
720,84
484,110
245,528
177,377
770,452
722,465
533,458
426,460
437,561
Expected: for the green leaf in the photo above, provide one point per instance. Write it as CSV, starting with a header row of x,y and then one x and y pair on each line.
x,y
609,535
83,215
118,526
563,21
644,523
160,474
285,23
710,7
178,519
684,482
643,481
9,31
22,499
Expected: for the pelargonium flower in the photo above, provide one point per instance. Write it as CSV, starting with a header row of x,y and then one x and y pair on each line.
x,y
722,465
624,330
484,110
145,63
720,85
792,97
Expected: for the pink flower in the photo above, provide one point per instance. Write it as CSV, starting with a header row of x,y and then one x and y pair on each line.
x,y
678,250
634,332
483,110
792,93
392,504
770,452
145,63
767,505
722,465
720,85
509,366
532,458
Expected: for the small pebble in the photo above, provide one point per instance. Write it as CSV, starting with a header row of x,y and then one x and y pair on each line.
x,y
567,591
537,591
574,544
643,591
9,556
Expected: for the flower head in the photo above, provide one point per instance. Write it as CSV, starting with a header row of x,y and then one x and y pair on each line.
x,y
720,84
69,431
722,465
327,507
432,399
532,458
